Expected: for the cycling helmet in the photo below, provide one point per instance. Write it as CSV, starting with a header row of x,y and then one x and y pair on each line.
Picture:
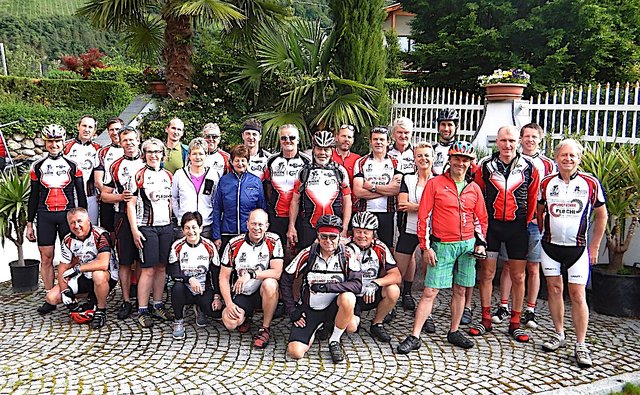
x,y
448,114
324,139
364,220
462,148
329,220
82,316
53,132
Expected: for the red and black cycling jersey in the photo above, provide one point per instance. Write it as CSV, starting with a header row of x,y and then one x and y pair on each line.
x,y
153,189
280,175
106,156
122,173
258,163
86,156
53,181
510,190
322,190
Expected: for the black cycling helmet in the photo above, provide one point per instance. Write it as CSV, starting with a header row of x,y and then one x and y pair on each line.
x,y
324,139
364,220
448,114
329,220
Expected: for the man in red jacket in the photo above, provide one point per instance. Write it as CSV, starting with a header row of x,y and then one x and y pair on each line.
x,y
449,197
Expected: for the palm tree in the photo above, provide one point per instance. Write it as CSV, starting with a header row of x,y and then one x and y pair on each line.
x,y
300,54
165,28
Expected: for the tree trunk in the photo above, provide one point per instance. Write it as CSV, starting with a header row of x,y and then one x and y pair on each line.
x,y
177,55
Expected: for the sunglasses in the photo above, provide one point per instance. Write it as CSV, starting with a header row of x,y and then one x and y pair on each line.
x,y
328,236
288,138
211,136
350,127
380,129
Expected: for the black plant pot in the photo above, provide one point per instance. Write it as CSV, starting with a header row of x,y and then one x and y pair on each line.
x,y
25,278
615,294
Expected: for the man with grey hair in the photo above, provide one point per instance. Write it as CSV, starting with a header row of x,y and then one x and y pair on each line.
x,y
176,151
566,244
217,160
401,150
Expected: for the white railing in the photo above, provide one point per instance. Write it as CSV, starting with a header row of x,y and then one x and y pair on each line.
x,y
422,104
594,113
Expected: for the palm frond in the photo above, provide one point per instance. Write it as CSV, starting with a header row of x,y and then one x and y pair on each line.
x,y
208,11
272,120
145,39
350,108
115,14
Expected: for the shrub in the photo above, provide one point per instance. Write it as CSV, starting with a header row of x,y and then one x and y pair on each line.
x,y
396,83
85,63
133,76
56,74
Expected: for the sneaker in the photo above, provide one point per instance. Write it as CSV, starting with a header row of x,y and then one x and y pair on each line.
x,y
178,330
583,357
201,318
161,313
479,329
409,344
261,339
336,352
408,302
429,325
323,332
458,339
377,332
126,308
46,308
529,320
99,319
245,326
555,342
500,315
519,335
467,316
389,317
145,320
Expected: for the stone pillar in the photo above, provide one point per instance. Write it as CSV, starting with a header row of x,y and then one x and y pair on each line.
x,y
501,113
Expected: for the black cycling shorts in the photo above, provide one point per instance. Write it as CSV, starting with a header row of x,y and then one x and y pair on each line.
x,y
85,286
156,247
385,228
362,306
125,247
314,319
50,224
107,213
248,303
513,234
407,243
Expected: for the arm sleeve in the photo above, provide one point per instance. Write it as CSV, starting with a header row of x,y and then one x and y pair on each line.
x,y
353,283
32,207
286,291
82,197
174,267
482,220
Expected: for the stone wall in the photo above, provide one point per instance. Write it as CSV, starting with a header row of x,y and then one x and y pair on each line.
x,y
22,147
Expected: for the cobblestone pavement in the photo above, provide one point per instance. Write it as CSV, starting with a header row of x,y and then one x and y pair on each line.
x,y
52,354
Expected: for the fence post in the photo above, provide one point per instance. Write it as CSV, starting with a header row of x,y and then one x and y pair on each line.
x,y
500,113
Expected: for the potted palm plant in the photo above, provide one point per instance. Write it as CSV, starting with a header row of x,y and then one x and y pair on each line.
x,y
616,287
14,197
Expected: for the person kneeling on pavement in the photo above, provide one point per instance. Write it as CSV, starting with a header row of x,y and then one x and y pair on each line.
x,y
194,266
331,278
381,277
252,262
88,266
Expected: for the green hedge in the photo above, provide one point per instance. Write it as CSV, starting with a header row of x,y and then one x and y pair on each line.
x,y
133,76
73,94
393,84
36,116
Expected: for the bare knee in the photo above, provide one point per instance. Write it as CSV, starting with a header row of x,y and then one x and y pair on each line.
x,y
269,288
392,292
297,350
347,300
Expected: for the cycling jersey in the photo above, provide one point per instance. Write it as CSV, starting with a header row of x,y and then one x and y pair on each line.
x,y
374,261
510,190
454,217
106,156
405,159
543,165
185,197
241,254
568,207
280,175
153,189
87,250
122,173
348,162
440,157
410,186
193,260
322,191
258,162
377,173
86,156
218,162
53,180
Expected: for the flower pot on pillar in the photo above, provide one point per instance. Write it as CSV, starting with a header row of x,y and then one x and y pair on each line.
x,y
158,88
504,91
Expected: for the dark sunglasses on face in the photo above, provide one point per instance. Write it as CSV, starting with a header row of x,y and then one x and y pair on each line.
x,y
380,129
287,138
211,136
329,236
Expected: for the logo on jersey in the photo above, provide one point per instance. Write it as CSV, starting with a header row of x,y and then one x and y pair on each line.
x,y
555,191
568,209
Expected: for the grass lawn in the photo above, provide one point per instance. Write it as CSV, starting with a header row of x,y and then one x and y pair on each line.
x,y
36,8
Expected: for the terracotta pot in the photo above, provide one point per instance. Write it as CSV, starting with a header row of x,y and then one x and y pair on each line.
x,y
506,91
158,88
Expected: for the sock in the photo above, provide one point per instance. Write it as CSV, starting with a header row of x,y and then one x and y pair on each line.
x,y
179,321
486,317
504,303
157,304
561,335
336,335
530,307
514,322
143,309
406,287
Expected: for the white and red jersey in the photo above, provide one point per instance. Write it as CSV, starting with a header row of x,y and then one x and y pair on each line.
x,y
440,157
106,156
153,189
258,162
218,162
406,161
280,176
375,261
54,182
322,191
194,261
543,165
86,156
377,172
568,207
87,250
123,172
241,254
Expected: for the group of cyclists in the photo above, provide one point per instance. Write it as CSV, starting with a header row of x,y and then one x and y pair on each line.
x,y
321,236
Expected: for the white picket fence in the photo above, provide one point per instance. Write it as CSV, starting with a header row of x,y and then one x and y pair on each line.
x,y
594,112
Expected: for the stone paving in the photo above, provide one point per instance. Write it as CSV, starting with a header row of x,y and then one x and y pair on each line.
x,y
52,354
